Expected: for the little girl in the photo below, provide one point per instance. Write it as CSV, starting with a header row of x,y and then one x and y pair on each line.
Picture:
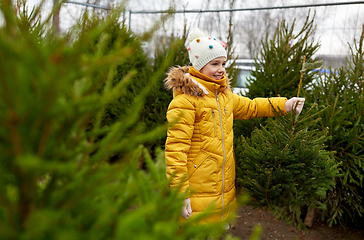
x,y
199,147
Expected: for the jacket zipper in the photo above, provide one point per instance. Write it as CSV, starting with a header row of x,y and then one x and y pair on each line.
x,y
215,127
226,125
223,149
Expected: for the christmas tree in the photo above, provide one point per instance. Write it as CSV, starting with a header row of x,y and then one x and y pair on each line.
x,y
56,181
277,69
278,65
341,90
286,167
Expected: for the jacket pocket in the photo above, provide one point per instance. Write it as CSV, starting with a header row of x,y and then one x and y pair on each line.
x,y
214,120
203,173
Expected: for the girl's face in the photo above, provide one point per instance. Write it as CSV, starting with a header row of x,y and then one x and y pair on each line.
x,y
215,69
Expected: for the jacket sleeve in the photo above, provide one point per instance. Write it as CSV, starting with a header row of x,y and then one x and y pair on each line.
x,y
181,119
245,108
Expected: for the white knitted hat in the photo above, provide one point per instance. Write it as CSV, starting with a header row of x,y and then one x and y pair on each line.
x,y
202,49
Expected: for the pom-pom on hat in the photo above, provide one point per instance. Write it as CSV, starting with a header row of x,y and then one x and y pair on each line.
x,y
203,49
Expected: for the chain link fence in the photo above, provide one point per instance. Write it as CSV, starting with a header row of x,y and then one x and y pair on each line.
x,y
337,23
69,13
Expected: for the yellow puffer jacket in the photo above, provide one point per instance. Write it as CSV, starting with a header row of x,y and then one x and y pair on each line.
x,y
199,147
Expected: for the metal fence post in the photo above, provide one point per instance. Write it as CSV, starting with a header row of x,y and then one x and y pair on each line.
x,y
56,17
129,19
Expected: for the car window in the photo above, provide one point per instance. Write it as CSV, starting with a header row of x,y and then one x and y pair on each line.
x,y
243,78
244,66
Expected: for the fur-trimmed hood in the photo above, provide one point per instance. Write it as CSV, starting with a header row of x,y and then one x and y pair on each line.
x,y
179,80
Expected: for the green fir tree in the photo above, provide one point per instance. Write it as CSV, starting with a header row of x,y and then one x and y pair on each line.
x,y
55,178
277,70
277,67
341,91
286,167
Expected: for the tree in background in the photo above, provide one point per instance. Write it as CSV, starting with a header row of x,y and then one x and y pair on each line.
x,y
286,167
55,179
277,68
341,91
146,72
255,25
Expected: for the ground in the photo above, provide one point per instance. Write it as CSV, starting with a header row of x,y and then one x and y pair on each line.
x,y
248,218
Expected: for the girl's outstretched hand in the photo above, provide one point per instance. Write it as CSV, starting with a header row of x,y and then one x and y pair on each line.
x,y
186,210
294,104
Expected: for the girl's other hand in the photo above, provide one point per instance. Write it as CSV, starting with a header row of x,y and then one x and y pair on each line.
x,y
186,210
294,104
